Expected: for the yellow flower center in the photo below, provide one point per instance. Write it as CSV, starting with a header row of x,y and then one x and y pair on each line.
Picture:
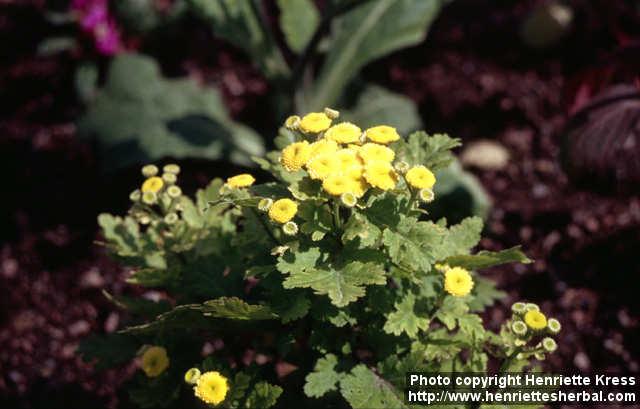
x,y
283,210
296,155
535,320
242,180
211,388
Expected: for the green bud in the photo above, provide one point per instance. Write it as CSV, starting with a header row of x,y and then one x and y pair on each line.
x,y
144,219
519,328
348,199
149,170
549,344
531,307
519,342
192,376
554,325
171,218
174,191
135,195
149,198
539,356
171,168
265,204
401,167
292,122
290,228
520,356
332,113
426,195
519,308
169,178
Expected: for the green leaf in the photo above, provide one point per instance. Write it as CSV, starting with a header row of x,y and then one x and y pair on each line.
x,y
298,21
324,377
433,151
451,309
459,238
358,227
208,315
263,396
291,305
404,319
108,350
140,116
484,259
363,389
377,105
412,245
343,283
317,219
240,23
369,31
484,294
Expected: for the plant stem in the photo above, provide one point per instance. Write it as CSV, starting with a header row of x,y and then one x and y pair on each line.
x,y
336,215
508,360
412,199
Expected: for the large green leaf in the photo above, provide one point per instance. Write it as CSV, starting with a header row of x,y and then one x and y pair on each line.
x,y
377,105
369,31
298,21
404,318
484,259
363,389
140,116
240,23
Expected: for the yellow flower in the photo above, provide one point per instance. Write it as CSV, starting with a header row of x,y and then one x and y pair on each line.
x,y
458,281
322,166
380,174
242,180
420,177
295,156
323,146
153,184
347,159
211,388
359,187
154,361
345,132
315,122
283,210
382,134
192,376
374,152
535,320
337,184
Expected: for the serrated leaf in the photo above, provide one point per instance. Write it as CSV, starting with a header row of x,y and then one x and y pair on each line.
x,y
324,377
211,314
485,259
291,305
484,294
459,239
359,227
432,151
451,308
364,34
404,319
263,396
298,21
363,389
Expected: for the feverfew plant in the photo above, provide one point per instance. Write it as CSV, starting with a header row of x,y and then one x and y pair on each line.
x,y
321,288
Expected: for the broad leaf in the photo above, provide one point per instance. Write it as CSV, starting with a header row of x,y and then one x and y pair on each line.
x,y
363,389
484,259
298,21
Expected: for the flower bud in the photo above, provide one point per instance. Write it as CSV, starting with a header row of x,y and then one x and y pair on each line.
x,y
539,356
401,167
348,199
144,219
549,344
171,168
519,308
174,191
531,307
149,198
265,204
554,325
426,195
149,170
225,190
171,218
292,122
135,195
332,113
519,342
290,228
519,328
520,356
192,376
169,178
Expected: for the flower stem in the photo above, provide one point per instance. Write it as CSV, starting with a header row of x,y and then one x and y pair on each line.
x,y
336,215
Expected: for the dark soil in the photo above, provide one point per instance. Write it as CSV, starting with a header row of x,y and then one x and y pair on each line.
x,y
472,78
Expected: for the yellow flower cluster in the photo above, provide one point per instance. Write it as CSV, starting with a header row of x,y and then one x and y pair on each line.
x,y
341,159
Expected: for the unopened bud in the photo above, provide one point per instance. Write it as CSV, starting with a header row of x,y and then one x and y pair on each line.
x,y
265,204
169,178
426,195
192,376
290,228
332,113
171,168
292,122
149,198
174,191
149,170
348,199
